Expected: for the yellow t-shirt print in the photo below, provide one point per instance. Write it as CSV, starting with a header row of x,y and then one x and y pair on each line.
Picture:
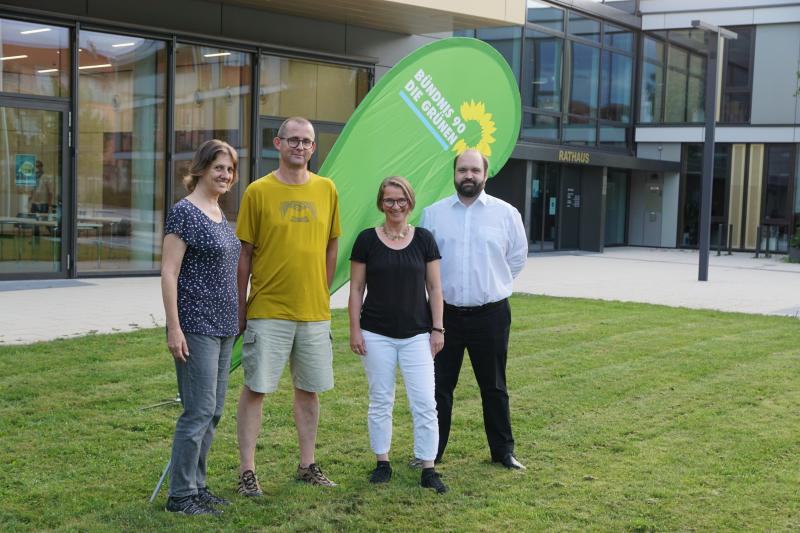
x,y
289,227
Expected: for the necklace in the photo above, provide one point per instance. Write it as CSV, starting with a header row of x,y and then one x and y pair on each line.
x,y
396,237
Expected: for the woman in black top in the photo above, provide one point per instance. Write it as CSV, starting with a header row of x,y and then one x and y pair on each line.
x,y
198,285
398,324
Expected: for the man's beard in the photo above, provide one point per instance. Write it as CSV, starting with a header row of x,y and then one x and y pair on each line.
x,y
469,189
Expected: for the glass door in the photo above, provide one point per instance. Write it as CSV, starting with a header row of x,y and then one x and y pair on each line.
x,y
544,207
33,170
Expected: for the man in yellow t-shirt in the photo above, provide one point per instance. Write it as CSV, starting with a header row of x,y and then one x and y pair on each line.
x,y
289,226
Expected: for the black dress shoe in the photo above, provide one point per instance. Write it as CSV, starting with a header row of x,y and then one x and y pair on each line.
x,y
510,462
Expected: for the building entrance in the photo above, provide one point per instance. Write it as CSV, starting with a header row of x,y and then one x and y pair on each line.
x,y
544,207
33,162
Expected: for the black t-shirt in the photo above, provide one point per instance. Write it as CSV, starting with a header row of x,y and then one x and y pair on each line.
x,y
396,304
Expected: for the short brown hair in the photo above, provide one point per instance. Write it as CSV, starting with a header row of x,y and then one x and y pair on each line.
x,y
401,183
485,162
202,159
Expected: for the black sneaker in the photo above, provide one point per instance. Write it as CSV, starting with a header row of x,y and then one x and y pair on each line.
x,y
431,479
207,497
382,473
189,505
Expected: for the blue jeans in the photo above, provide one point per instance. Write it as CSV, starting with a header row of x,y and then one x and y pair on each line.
x,y
202,383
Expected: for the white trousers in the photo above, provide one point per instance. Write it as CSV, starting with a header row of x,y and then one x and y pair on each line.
x,y
413,355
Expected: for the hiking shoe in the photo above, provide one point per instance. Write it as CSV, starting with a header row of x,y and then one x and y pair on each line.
x,y
431,479
189,505
206,497
313,475
248,484
382,473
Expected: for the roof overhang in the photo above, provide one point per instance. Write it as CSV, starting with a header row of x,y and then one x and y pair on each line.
x,y
401,16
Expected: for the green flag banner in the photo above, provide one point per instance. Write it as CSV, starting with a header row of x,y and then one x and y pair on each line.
x,y
438,101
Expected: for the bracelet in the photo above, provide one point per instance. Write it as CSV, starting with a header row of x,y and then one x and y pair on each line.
x,y
440,330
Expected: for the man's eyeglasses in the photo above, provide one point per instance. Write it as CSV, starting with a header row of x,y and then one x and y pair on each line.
x,y
294,142
390,202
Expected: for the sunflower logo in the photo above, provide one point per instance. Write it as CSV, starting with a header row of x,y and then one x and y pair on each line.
x,y
475,112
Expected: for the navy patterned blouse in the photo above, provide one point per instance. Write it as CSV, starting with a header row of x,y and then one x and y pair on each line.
x,y
207,293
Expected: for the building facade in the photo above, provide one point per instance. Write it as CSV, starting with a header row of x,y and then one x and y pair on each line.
x,y
103,103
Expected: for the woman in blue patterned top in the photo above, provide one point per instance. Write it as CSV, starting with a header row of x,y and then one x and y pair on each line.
x,y
198,285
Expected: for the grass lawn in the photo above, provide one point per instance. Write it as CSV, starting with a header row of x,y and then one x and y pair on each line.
x,y
628,416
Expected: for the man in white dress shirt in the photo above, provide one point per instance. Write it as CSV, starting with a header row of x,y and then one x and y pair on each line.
x,y
484,247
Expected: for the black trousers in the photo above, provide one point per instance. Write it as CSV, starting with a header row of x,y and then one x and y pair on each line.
x,y
483,332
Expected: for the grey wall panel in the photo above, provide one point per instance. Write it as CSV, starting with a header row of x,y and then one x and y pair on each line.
x,y
592,219
286,30
776,61
509,184
66,7
388,47
668,152
669,209
196,16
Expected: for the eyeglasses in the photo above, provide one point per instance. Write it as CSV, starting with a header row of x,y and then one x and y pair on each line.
x,y
294,142
390,202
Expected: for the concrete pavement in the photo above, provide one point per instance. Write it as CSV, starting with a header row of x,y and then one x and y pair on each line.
x,y
32,311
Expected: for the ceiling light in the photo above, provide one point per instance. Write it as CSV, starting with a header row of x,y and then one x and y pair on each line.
x,y
122,45
47,71
86,67
37,30
8,58
218,54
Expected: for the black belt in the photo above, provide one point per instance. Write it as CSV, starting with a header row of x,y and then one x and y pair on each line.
x,y
474,309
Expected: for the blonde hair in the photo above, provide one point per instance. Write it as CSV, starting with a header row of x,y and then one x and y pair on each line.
x,y
401,183
202,159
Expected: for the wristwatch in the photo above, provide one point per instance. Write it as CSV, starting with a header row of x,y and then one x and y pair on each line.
x,y
440,330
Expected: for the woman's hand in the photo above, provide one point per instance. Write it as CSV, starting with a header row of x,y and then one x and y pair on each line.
x,y
177,344
437,342
357,342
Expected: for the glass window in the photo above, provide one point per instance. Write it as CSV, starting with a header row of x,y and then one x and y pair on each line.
x,y
35,58
30,190
652,93
677,75
777,203
122,83
580,130
536,126
584,27
617,37
691,193
615,87
507,41
695,94
212,101
585,79
545,15
543,71
653,50
614,136
736,107
317,91
737,83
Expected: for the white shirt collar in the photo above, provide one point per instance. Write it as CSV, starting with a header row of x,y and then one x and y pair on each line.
x,y
482,198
